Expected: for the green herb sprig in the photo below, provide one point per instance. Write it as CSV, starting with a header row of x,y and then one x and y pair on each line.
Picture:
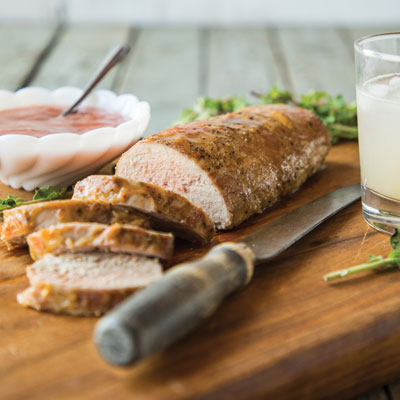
x,y
374,263
42,194
50,193
206,107
10,202
338,116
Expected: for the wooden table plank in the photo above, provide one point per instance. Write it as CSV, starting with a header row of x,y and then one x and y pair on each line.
x,y
240,60
19,49
318,59
78,55
164,70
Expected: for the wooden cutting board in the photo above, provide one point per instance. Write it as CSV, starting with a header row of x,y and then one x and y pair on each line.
x,y
288,335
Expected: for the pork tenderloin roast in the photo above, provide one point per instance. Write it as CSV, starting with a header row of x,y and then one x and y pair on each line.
x,y
233,165
167,210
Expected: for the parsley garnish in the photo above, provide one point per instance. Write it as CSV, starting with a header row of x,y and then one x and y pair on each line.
x,y
10,202
50,193
374,263
338,116
42,194
206,107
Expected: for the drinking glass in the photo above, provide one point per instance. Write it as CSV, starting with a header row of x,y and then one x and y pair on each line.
x,y
377,60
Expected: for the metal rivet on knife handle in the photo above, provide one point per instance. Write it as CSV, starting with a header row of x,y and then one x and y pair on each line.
x,y
174,305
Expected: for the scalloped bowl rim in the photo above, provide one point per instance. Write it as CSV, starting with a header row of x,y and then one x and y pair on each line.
x,y
51,92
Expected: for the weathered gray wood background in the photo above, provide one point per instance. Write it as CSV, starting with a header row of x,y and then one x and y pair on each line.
x,y
171,67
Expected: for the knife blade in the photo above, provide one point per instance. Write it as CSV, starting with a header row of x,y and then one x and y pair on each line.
x,y
189,293
271,240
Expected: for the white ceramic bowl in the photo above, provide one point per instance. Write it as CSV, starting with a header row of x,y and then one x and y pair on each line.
x,y
60,159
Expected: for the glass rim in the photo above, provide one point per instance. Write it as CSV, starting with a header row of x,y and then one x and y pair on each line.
x,y
374,53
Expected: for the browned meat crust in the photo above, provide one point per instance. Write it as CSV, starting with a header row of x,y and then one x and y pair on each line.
x,y
77,302
245,160
167,210
21,221
87,237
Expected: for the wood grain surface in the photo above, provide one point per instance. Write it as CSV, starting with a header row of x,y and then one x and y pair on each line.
x,y
288,335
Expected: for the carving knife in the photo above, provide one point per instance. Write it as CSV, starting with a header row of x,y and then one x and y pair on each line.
x,y
188,293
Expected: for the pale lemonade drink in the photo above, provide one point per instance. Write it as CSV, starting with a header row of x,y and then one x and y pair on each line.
x,y
378,108
377,62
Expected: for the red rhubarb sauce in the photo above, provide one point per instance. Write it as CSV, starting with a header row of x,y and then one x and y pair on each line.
x,y
45,119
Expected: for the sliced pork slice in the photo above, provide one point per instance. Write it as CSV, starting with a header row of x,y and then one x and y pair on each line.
x,y
21,221
86,284
233,165
89,237
168,211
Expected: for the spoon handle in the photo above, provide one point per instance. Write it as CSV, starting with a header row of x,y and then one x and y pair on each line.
x,y
116,55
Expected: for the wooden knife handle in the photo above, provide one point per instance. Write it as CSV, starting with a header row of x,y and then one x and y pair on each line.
x,y
174,305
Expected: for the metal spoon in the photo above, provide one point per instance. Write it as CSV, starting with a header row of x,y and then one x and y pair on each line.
x,y
114,57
